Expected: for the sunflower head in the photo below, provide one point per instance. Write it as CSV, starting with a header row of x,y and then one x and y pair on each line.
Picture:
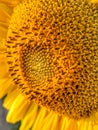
x,y
52,54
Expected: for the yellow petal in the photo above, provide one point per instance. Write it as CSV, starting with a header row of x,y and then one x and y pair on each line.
x,y
9,99
85,125
7,9
4,16
3,32
2,48
3,69
51,122
30,117
3,64
4,86
12,3
64,123
96,127
73,125
41,116
90,126
18,109
95,118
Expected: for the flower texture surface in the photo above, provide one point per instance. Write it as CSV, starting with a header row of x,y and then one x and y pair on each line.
x,y
51,64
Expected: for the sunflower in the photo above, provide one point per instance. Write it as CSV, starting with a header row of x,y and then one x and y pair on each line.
x,y
49,63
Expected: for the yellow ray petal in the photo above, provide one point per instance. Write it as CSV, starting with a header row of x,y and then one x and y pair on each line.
x,y
5,7
51,122
95,118
4,86
4,73
31,114
41,116
64,123
3,64
73,125
96,127
84,125
18,109
4,17
3,69
11,3
93,122
90,125
3,32
9,99
2,48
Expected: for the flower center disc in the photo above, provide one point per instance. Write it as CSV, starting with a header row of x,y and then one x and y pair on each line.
x,y
52,52
36,64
